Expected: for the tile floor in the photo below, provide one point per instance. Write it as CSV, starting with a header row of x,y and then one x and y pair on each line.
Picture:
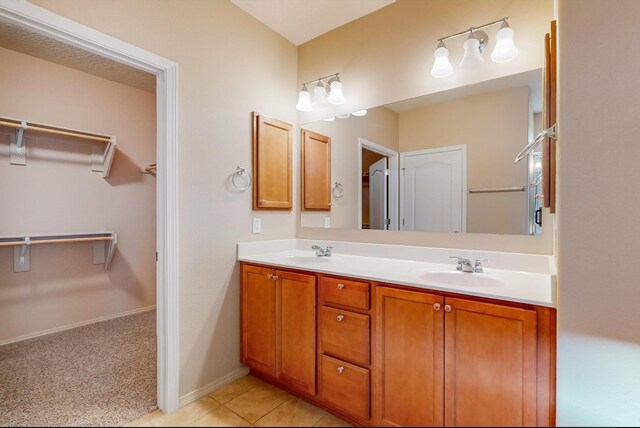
x,y
246,402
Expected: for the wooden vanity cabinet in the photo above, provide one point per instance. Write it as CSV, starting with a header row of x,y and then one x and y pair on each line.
x,y
279,326
389,355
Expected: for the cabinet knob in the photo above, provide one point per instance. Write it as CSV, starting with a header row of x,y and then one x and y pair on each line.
x,y
447,308
436,306
263,201
269,276
340,369
340,286
275,277
340,317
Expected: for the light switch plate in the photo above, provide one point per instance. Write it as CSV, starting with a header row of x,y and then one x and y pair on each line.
x,y
327,222
257,225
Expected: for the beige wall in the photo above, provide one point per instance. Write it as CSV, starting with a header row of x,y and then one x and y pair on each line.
x,y
56,192
494,126
598,225
386,56
380,126
229,65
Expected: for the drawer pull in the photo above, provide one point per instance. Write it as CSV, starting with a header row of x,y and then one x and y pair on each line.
x,y
340,286
340,369
447,308
340,317
436,306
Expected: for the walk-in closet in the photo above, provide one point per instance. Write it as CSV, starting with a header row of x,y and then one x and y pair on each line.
x,y
77,236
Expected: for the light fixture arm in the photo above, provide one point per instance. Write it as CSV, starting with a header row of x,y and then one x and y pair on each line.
x,y
334,75
472,29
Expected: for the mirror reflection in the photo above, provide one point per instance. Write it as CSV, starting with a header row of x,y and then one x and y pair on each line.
x,y
439,163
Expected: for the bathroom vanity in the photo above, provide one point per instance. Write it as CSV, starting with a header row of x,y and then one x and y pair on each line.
x,y
396,336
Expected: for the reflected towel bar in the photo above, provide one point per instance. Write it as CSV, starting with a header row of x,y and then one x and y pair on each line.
x,y
498,189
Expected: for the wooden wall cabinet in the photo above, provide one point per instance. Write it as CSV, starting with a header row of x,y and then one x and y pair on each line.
x,y
316,171
272,164
279,326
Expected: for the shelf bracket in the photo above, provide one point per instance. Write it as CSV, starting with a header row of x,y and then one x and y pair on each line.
x,y
21,257
101,159
17,143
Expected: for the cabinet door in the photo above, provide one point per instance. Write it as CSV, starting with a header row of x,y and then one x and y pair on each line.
x,y
409,358
490,365
259,319
297,331
316,171
272,164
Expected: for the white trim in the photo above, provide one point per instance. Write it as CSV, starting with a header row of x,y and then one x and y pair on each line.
x,y
465,191
393,180
49,24
212,386
76,325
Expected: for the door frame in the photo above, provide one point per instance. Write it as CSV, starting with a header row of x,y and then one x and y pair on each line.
x,y
51,25
393,180
465,190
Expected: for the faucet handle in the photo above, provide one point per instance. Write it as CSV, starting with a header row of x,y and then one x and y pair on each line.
x,y
477,268
460,260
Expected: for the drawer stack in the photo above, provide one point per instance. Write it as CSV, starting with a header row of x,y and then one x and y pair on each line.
x,y
344,336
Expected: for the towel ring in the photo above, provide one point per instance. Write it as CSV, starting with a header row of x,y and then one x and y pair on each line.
x,y
237,173
337,190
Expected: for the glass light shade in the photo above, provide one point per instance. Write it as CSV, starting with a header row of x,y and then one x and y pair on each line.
x,y
344,116
304,100
320,95
441,66
336,96
472,57
505,49
359,113
330,119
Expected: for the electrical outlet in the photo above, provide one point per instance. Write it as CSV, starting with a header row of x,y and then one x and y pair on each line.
x,y
257,225
327,222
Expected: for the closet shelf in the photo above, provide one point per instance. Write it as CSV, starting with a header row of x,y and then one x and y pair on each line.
x,y
101,157
104,245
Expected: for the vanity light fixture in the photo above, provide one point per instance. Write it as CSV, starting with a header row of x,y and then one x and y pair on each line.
x,y
320,98
505,49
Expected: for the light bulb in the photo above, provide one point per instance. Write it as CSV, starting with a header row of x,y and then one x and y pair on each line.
x,y
359,113
304,100
441,66
320,95
336,96
472,57
505,50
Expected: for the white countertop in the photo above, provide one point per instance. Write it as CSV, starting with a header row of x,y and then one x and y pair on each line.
x,y
512,277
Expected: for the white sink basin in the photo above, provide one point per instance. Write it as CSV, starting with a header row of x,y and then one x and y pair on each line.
x,y
308,259
462,279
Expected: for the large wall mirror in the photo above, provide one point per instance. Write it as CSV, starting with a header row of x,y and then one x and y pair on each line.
x,y
443,162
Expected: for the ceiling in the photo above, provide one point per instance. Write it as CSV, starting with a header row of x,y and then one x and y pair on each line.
x,y
39,46
302,20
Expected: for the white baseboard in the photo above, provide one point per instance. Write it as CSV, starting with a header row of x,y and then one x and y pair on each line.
x,y
75,325
211,386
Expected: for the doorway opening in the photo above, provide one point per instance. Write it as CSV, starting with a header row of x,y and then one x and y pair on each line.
x,y
377,186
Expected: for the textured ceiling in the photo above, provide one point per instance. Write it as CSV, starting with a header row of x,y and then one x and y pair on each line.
x,y
302,20
27,42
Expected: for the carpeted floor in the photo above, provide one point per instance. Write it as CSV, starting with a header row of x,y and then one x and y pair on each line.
x,y
103,374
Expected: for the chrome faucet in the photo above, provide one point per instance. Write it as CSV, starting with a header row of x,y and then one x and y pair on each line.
x,y
322,252
464,265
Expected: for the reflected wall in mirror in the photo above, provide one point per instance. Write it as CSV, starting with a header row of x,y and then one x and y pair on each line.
x,y
439,163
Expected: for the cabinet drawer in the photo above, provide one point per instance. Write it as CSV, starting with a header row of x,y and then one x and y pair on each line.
x,y
345,386
345,292
345,335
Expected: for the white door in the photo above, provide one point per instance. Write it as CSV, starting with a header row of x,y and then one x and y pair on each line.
x,y
433,190
378,212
